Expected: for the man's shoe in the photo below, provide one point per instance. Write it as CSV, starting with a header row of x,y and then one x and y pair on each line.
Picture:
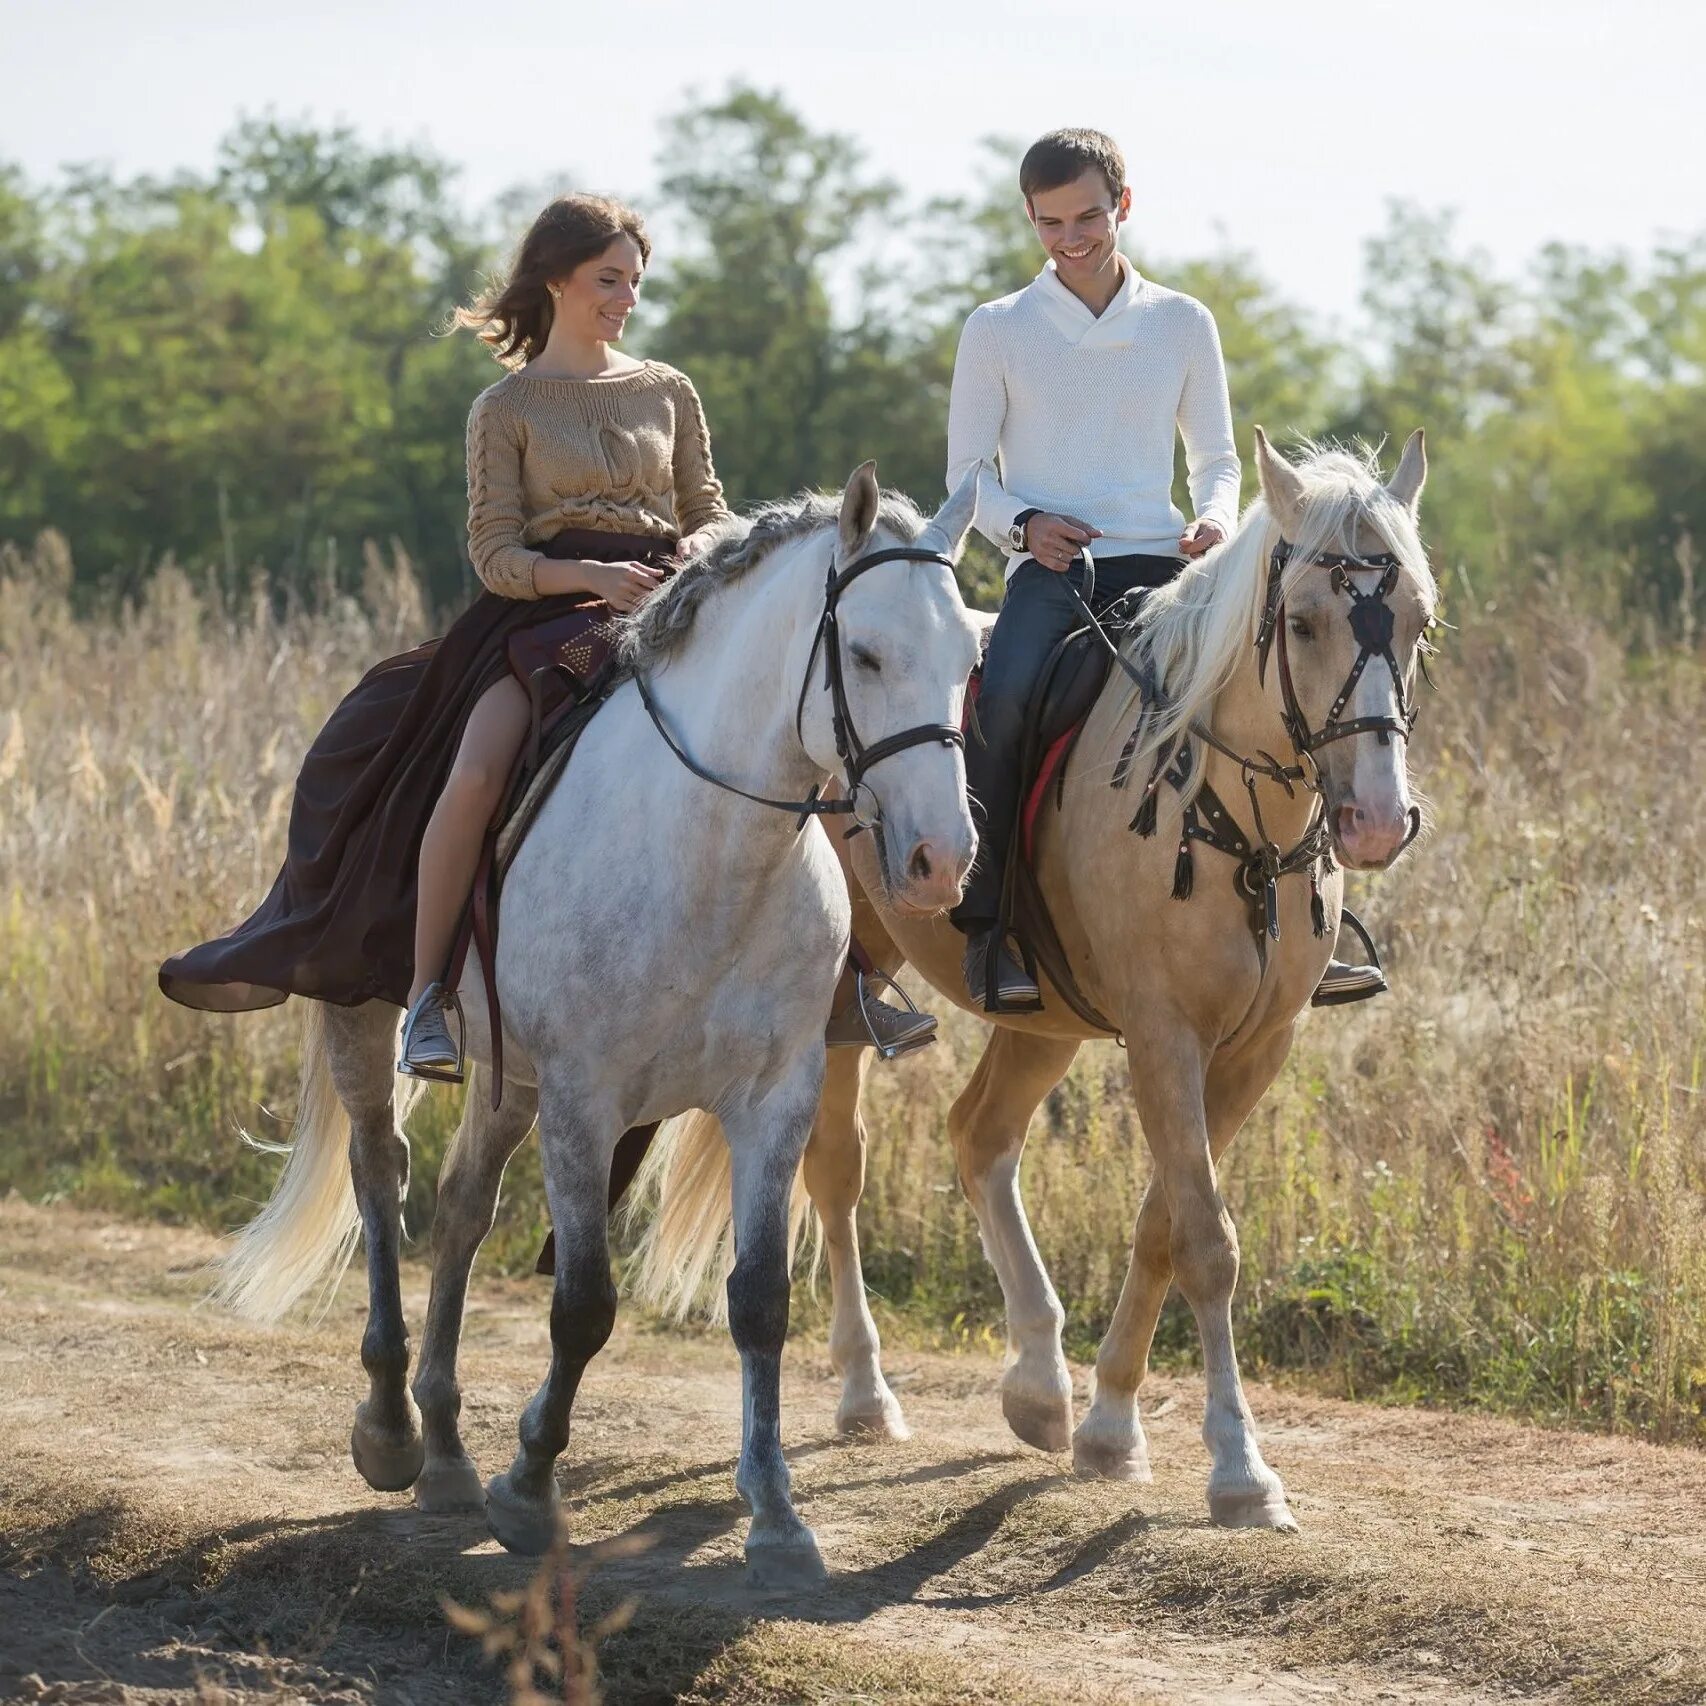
x,y
867,1021
1015,990
1344,983
429,1051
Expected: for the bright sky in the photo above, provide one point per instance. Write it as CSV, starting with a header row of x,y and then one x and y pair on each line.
x,y
1277,126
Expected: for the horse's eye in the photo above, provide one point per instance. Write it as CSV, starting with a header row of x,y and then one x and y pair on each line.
x,y
867,660
1300,628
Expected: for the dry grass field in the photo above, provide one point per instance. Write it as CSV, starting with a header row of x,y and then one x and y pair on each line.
x,y
1488,1189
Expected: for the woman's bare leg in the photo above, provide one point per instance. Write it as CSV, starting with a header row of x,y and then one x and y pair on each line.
x,y
450,849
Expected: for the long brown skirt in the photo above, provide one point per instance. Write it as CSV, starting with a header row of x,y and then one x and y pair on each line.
x,y
339,924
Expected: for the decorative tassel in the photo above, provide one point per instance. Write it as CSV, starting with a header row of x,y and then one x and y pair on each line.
x,y
1144,822
1184,872
1317,908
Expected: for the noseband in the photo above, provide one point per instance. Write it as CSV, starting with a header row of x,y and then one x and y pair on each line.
x,y
856,757
1372,624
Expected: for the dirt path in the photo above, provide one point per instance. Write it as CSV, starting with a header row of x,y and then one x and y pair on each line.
x,y
179,1520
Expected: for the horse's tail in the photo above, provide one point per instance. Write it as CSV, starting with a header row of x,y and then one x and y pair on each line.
x,y
687,1251
307,1232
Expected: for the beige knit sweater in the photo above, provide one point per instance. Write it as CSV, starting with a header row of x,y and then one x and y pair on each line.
x,y
628,454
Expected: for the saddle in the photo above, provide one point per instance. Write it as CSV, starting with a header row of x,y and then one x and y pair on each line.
x,y
1066,692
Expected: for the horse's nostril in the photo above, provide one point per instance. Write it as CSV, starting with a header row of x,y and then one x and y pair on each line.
x,y
919,864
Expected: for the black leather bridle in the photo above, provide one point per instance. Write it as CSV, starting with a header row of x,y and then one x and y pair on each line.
x,y
1372,625
856,757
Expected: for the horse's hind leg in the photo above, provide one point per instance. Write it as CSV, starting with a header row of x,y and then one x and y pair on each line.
x,y
575,1147
835,1180
765,1146
987,1125
467,1201
1109,1441
361,1042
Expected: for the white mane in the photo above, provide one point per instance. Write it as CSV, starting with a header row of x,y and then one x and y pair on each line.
x,y
1196,631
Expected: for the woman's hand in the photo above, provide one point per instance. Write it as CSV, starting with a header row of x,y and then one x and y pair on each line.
x,y
623,586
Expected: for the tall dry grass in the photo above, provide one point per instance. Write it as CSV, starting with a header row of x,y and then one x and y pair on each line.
x,y
1488,1188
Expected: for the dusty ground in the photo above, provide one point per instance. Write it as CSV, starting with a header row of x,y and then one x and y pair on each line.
x,y
179,1520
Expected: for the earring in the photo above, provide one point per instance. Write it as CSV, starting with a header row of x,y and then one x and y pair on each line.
x,y
555,291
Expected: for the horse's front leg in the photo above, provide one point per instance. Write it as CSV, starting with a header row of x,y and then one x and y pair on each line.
x,y
1168,1081
765,1146
835,1180
575,1148
468,1187
1110,1441
386,1439
987,1125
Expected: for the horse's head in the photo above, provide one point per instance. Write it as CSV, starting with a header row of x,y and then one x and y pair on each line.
x,y
1349,597
901,644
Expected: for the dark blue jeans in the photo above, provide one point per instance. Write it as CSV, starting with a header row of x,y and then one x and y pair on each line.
x,y
1036,615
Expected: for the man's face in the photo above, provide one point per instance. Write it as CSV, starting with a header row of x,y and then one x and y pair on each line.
x,y
1078,223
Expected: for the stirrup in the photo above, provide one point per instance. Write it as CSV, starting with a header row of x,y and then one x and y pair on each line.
x,y
862,982
450,1002
1371,983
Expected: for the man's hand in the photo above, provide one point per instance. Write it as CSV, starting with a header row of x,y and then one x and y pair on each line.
x,y
1200,536
1054,540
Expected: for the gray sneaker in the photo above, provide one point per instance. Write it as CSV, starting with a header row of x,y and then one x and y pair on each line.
x,y
1015,990
892,1031
429,1051
1344,983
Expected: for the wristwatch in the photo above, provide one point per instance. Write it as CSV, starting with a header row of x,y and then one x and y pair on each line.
x,y
1016,533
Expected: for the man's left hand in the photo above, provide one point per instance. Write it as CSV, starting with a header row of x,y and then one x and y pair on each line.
x,y
1200,536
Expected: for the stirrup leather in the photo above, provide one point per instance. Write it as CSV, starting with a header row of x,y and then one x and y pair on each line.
x,y
449,1002
862,983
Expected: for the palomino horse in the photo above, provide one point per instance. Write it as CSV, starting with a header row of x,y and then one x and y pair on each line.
x,y
672,943
1253,655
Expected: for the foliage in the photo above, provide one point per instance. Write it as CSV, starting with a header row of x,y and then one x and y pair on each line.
x,y
243,365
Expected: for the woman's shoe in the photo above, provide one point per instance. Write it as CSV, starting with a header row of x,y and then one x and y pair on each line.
x,y
429,1051
867,1021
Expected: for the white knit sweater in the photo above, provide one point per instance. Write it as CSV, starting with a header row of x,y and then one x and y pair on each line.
x,y
1075,414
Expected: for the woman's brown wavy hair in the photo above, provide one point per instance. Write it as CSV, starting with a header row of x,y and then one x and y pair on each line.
x,y
514,316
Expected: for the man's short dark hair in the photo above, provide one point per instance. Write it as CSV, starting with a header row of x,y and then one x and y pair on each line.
x,y
1064,155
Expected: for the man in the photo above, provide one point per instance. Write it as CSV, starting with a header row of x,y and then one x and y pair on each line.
x,y
1067,396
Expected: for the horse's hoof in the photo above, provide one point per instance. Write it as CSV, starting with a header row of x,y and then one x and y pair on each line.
x,y
450,1485
520,1524
881,1419
1252,1507
386,1465
1039,1418
1111,1457
784,1561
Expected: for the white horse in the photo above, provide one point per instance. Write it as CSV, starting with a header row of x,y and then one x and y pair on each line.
x,y
668,943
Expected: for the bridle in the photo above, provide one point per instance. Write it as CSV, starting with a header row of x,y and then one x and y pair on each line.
x,y
1261,862
1372,624
856,757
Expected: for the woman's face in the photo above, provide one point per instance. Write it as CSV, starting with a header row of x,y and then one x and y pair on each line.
x,y
596,299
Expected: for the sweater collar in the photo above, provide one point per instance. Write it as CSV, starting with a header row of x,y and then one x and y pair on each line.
x,y
1075,322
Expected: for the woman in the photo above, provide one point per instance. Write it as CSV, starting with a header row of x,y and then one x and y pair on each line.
x,y
589,474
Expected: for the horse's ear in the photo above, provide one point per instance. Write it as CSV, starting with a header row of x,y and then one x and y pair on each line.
x,y
947,529
859,509
1282,485
1412,472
